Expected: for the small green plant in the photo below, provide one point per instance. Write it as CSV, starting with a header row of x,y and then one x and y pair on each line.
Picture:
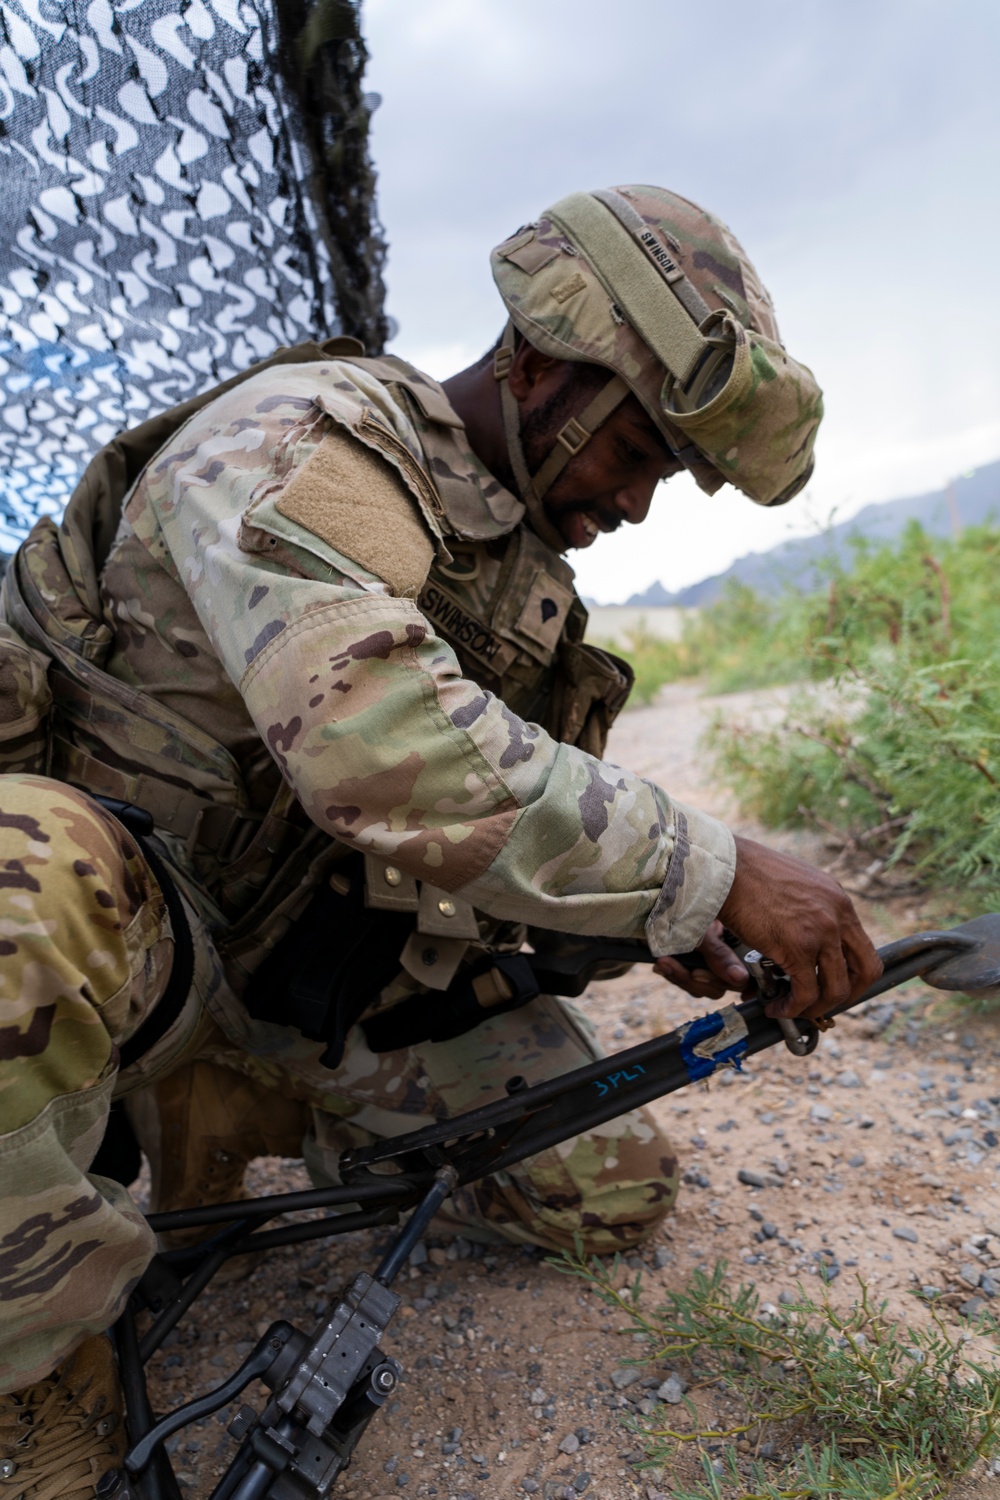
x,y
867,1408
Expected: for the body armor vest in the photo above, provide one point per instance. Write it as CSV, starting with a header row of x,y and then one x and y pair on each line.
x,y
505,604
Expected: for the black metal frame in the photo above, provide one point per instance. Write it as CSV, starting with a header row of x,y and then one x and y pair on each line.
x,y
304,1438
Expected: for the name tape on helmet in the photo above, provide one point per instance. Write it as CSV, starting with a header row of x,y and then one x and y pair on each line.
x,y
636,279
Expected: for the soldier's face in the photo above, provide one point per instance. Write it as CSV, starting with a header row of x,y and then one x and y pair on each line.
x,y
613,478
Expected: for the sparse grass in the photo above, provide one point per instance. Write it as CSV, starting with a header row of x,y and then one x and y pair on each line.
x,y
893,742
859,1407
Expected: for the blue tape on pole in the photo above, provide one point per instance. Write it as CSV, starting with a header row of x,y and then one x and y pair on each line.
x,y
700,1058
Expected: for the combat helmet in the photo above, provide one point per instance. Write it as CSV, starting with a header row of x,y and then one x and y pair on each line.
x,y
662,294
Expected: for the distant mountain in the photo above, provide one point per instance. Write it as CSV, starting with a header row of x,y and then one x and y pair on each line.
x,y
975,499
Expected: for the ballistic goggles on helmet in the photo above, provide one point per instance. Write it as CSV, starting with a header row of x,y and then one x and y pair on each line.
x,y
667,301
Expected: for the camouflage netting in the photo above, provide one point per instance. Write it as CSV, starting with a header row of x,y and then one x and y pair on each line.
x,y
186,185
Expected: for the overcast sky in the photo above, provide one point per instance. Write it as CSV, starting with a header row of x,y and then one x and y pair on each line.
x,y
852,145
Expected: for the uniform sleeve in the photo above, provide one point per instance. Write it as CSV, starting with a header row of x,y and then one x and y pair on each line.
x,y
390,749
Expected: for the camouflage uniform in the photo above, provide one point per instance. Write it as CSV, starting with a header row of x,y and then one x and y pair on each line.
x,y
225,606
299,623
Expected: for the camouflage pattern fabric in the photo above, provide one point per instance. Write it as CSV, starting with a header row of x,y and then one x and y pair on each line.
x,y
258,629
86,949
250,654
758,432
610,1185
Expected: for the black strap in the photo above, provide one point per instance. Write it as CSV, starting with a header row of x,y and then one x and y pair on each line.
x,y
330,965
440,1017
139,825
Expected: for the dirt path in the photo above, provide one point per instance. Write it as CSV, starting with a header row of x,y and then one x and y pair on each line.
x,y
879,1158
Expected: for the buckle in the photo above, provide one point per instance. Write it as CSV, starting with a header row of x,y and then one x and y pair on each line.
x,y
573,437
503,358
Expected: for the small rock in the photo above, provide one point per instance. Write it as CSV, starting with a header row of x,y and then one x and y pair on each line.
x,y
857,1160
418,1255
672,1390
530,1486
623,1378
848,1079
820,1113
570,1443
787,1299
539,1398
662,1257
988,1286
581,1482
969,1042
769,1231
972,1308
904,1232
753,1179
970,1273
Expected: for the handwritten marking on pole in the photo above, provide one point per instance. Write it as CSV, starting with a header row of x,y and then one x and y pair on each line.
x,y
615,1080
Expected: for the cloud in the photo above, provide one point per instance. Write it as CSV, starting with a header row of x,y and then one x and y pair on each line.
x,y
852,147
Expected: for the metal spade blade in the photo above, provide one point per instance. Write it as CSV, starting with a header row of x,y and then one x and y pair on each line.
x,y
976,967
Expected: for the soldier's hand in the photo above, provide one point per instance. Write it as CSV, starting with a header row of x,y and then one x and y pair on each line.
x,y
720,972
806,923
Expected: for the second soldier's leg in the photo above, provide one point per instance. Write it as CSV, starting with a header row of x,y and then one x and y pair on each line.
x,y
86,952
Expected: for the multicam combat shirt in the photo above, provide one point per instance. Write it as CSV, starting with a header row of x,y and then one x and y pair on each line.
x,y
266,584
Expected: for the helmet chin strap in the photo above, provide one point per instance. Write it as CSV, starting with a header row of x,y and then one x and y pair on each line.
x,y
570,441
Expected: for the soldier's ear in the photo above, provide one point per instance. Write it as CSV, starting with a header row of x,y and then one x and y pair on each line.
x,y
530,368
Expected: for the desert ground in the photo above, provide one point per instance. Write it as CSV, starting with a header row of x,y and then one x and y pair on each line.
x,y
878,1156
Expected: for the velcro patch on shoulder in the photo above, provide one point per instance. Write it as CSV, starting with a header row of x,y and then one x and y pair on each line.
x,y
356,502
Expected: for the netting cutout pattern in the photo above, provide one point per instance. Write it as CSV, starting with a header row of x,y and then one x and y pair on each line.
x,y
157,231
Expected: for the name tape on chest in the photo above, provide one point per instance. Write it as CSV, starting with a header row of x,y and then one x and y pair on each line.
x,y
463,629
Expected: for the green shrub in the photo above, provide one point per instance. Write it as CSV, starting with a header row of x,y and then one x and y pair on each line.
x,y
898,752
861,1406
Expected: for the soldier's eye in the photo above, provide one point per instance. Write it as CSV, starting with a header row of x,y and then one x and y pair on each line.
x,y
634,455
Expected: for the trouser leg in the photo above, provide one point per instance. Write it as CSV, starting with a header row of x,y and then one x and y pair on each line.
x,y
85,952
610,1185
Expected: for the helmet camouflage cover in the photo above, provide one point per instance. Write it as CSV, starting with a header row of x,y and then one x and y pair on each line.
x,y
660,292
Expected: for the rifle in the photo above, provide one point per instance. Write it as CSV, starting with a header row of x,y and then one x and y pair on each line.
x,y
326,1386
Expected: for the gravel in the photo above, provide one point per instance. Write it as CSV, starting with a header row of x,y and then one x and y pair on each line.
x,y
753,1179
672,1390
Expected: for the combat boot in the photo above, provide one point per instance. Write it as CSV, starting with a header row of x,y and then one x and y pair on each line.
x,y
63,1438
200,1127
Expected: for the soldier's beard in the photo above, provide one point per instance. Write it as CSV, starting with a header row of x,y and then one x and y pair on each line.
x,y
540,430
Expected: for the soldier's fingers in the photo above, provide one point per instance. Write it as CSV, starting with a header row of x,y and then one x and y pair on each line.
x,y
721,959
698,982
863,962
805,989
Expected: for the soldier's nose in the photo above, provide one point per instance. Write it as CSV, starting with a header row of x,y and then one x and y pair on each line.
x,y
632,502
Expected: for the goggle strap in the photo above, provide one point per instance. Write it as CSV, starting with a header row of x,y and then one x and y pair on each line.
x,y
685,290
634,266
